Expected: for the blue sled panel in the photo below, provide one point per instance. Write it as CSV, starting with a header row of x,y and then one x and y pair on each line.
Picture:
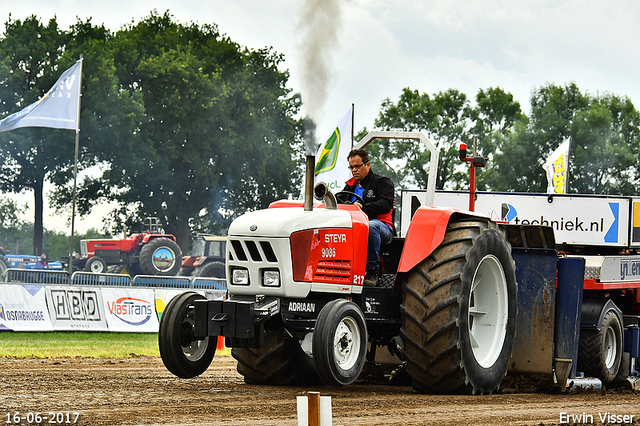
x,y
536,277
568,312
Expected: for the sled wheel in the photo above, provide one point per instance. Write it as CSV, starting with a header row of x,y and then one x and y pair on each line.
x,y
280,361
95,265
340,342
459,311
600,351
181,353
211,270
161,256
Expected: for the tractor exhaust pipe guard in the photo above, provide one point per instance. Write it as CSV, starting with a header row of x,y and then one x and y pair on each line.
x,y
308,188
322,193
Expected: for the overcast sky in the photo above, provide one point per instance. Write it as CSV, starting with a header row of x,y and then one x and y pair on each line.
x,y
372,49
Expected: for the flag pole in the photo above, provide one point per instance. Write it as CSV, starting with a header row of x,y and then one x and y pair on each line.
x,y
75,172
353,113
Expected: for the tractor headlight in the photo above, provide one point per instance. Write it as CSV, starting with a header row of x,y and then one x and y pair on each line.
x,y
271,278
240,277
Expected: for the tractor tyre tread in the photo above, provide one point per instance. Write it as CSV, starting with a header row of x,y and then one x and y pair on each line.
x,y
278,362
591,352
146,256
431,311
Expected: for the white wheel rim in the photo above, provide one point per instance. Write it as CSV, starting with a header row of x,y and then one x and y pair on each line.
x,y
488,311
610,348
164,259
346,343
96,267
196,348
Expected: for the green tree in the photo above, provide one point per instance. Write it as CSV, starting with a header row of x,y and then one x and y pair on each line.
x,y
217,136
29,65
32,57
448,119
12,229
604,143
56,244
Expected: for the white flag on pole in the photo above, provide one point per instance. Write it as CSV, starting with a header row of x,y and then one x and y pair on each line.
x,y
557,166
57,109
331,158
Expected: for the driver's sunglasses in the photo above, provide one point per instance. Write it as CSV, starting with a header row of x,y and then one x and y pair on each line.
x,y
356,167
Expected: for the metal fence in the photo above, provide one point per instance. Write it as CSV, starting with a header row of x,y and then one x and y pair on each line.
x,y
30,276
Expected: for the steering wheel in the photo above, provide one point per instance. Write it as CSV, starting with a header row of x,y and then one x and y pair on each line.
x,y
346,200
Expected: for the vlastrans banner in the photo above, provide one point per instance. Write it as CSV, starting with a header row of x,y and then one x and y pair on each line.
x,y
23,308
331,158
76,308
130,310
57,109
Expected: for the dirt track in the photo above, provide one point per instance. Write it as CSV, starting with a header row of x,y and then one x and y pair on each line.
x,y
140,391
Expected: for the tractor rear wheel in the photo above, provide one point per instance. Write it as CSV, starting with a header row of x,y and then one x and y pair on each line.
x,y
211,269
161,256
279,361
600,351
459,311
182,354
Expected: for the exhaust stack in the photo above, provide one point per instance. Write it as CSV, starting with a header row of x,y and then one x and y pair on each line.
x,y
308,187
322,193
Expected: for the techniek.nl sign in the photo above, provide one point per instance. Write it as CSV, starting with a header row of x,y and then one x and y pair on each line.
x,y
23,308
130,310
575,220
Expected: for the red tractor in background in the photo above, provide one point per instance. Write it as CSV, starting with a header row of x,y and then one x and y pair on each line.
x,y
207,257
151,252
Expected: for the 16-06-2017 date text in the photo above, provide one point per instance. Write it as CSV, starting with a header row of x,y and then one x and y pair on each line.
x,y
46,417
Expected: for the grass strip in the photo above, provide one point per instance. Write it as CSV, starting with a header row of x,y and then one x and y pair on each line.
x,y
73,344
77,344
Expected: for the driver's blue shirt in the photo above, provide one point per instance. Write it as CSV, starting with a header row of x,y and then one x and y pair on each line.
x,y
359,190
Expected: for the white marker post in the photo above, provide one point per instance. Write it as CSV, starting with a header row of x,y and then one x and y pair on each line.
x,y
314,410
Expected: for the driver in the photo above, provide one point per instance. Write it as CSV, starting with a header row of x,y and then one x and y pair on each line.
x,y
378,195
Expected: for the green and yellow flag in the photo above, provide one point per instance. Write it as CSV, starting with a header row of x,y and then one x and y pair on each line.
x,y
331,158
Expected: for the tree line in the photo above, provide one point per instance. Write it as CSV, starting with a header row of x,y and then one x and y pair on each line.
x,y
604,131
184,123
187,125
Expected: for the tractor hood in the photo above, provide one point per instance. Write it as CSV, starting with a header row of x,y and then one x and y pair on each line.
x,y
282,222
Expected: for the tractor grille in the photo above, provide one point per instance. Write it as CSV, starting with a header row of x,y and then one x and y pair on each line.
x,y
335,271
260,252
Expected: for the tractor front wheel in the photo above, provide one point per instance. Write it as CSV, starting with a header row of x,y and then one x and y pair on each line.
x,y
183,354
95,265
161,256
211,270
340,342
459,311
